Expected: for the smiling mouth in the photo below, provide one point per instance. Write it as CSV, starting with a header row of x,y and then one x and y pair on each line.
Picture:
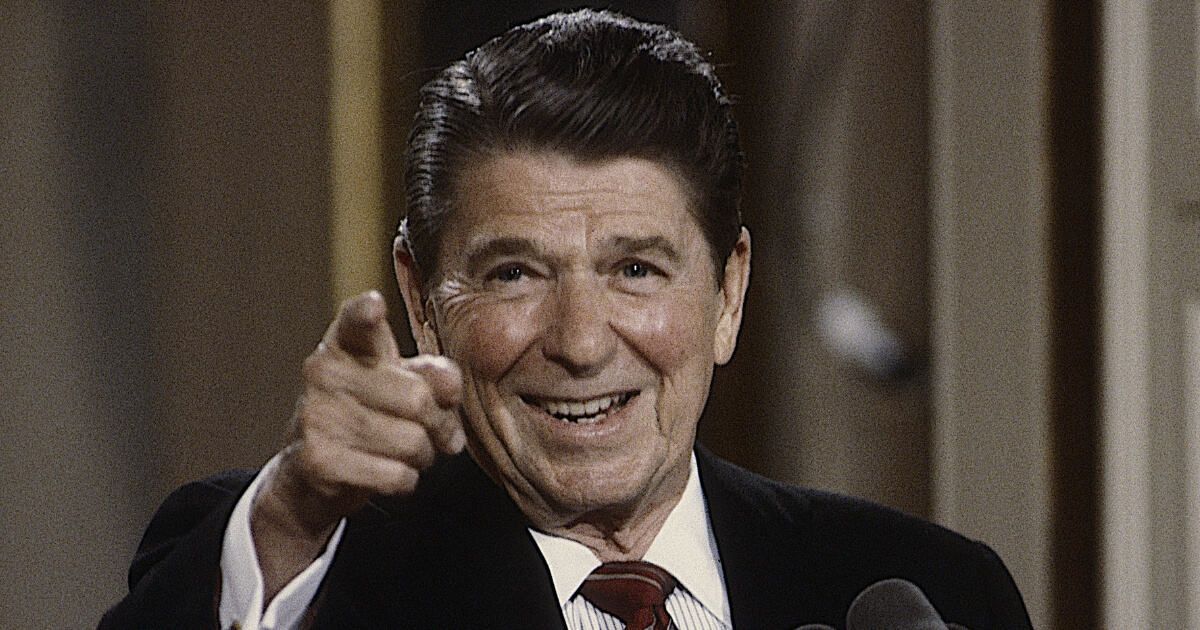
x,y
585,412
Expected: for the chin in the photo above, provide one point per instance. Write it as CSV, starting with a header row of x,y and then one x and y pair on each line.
x,y
608,486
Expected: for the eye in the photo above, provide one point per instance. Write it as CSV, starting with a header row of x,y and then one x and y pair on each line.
x,y
511,273
635,270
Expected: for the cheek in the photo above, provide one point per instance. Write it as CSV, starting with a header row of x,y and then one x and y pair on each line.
x,y
670,333
488,336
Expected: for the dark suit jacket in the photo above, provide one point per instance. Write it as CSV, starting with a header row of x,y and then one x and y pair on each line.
x,y
457,554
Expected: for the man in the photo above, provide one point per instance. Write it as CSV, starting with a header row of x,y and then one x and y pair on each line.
x,y
573,266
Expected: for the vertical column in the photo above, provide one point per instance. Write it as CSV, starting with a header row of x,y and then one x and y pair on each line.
x,y
1151,278
1179,125
358,228
1192,411
991,282
1126,319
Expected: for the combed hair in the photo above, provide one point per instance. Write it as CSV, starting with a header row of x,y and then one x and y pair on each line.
x,y
593,85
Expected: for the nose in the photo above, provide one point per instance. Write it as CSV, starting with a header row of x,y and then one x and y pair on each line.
x,y
580,336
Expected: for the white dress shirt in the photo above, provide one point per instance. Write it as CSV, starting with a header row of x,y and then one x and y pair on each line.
x,y
685,547
242,580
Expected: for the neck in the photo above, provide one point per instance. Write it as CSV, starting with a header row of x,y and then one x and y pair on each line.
x,y
615,539
615,531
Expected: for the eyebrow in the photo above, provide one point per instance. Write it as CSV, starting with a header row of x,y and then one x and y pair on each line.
x,y
499,247
480,256
654,244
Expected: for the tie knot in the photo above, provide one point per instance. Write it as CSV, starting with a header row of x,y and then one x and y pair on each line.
x,y
634,592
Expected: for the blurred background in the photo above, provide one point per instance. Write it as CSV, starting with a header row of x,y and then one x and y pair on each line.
x,y
976,287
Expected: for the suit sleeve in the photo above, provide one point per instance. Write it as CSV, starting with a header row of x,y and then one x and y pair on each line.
x,y
175,575
1004,598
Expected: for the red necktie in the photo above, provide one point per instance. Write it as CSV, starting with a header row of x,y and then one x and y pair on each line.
x,y
634,592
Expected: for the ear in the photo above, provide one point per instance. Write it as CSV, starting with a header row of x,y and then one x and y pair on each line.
x,y
732,297
408,277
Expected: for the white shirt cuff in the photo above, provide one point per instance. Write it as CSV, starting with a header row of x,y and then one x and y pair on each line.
x,y
242,580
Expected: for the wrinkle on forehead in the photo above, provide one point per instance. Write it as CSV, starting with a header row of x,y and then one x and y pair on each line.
x,y
554,207
540,176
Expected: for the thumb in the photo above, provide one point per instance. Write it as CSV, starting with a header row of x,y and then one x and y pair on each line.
x,y
361,329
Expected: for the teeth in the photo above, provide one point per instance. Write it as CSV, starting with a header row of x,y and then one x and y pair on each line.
x,y
571,411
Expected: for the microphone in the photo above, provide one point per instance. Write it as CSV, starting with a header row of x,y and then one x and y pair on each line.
x,y
894,604
853,330
815,626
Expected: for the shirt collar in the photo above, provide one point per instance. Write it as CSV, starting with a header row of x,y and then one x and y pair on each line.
x,y
685,546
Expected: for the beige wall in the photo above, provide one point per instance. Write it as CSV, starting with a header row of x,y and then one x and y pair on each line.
x,y
991,288
240,207
70,498
163,270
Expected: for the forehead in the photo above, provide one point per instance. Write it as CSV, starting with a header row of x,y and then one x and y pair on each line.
x,y
522,192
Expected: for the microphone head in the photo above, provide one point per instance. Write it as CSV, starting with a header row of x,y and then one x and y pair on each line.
x,y
893,604
815,626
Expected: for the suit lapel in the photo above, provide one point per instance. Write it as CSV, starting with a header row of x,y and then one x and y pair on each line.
x,y
762,543
510,571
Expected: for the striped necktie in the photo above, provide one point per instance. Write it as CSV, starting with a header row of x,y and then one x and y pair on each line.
x,y
634,592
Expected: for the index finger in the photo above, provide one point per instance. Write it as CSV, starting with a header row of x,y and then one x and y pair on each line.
x,y
361,329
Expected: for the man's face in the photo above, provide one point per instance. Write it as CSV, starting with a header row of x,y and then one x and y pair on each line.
x,y
581,303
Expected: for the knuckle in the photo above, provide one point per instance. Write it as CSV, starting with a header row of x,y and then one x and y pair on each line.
x,y
416,448
314,456
445,422
315,416
419,394
441,374
319,368
402,481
